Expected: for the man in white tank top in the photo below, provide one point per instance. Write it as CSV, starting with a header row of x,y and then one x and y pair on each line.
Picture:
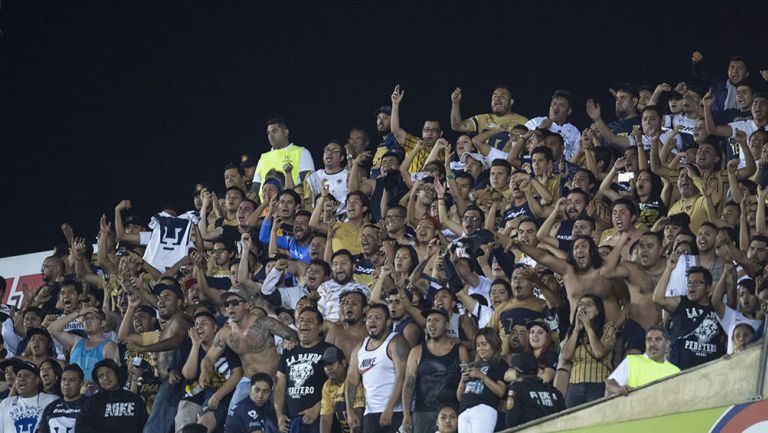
x,y
379,361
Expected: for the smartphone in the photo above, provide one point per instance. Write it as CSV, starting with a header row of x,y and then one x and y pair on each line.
x,y
419,175
626,176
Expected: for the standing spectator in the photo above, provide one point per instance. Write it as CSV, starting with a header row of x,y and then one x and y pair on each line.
x,y
482,385
432,374
696,334
21,412
379,363
724,91
333,176
501,116
589,346
300,377
388,141
430,132
60,416
341,281
557,122
283,152
254,413
528,397
112,409
637,370
333,406
86,352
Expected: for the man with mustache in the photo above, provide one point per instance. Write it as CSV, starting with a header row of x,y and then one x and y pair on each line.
x,y
350,330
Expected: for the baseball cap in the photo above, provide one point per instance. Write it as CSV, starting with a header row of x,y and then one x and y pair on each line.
x,y
474,155
331,355
26,365
748,283
39,331
525,364
147,309
537,322
386,109
158,289
10,362
235,291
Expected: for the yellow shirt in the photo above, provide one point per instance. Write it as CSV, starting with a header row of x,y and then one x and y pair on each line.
x,y
418,161
347,237
299,157
487,121
644,370
696,209
332,402
587,369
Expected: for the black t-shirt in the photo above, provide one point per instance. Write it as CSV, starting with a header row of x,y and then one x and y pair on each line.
x,y
304,377
651,211
516,211
222,369
60,416
697,336
476,393
533,399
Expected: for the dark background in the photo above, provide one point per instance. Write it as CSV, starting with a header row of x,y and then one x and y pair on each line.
x,y
109,99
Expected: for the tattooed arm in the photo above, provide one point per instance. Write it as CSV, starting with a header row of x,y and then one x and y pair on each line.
x,y
398,350
275,327
410,385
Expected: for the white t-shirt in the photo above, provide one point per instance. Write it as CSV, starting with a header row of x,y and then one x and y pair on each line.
x,y
493,155
571,135
22,415
732,318
749,127
289,296
337,186
330,292
168,242
483,288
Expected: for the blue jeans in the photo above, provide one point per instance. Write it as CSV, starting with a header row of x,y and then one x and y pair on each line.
x,y
242,390
579,393
161,420
297,426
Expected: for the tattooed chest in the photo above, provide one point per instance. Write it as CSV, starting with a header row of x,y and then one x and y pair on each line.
x,y
253,339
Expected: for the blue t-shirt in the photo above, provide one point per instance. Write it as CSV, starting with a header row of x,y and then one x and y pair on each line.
x,y
246,417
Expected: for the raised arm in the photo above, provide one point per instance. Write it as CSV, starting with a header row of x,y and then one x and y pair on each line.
x,y
394,119
593,111
556,265
660,292
57,327
605,185
120,228
709,120
457,124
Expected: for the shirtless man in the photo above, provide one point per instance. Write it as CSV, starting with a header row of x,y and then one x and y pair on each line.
x,y
350,330
170,305
249,333
641,278
581,274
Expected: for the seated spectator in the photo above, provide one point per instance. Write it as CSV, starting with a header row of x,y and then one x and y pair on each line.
x,y
557,122
255,412
333,406
340,282
528,398
638,370
501,116
24,409
112,408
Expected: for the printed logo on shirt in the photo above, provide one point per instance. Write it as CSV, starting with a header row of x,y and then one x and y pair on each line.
x,y
24,418
301,368
367,364
119,409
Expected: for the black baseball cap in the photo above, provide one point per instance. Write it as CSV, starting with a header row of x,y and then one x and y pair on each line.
x,y
386,109
39,331
525,363
158,289
537,322
331,355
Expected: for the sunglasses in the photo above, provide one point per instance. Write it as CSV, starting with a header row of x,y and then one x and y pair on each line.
x,y
233,303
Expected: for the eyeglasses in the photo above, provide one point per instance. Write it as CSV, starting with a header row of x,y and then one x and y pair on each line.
x,y
232,303
218,250
473,219
331,150
696,283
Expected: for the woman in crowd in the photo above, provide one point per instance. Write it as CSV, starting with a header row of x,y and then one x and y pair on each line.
x,y
482,385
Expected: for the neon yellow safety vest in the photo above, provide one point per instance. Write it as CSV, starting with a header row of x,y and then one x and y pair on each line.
x,y
276,158
644,370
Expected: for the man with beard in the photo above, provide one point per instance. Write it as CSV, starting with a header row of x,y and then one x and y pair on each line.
x,y
85,352
170,304
706,241
333,406
638,369
60,416
300,377
344,234
379,363
372,256
522,203
625,108
250,334
432,374
517,341
557,229
624,216
430,132
581,275
296,244
315,274
52,271
557,122
696,334
396,225
641,278
501,116
21,412
402,322
350,330
341,281
332,177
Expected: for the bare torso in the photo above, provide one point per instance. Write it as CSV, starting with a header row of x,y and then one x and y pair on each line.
x,y
578,284
254,342
642,309
346,338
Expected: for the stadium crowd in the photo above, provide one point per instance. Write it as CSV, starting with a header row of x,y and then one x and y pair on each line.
x,y
412,282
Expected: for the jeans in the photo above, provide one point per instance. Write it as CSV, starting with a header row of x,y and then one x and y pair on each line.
x,y
161,420
241,391
580,393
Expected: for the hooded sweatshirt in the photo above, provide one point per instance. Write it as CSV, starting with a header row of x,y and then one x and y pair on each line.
x,y
117,411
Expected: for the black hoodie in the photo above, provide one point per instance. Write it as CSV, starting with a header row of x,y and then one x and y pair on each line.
x,y
117,411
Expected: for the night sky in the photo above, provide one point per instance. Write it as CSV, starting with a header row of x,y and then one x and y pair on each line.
x,y
104,100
